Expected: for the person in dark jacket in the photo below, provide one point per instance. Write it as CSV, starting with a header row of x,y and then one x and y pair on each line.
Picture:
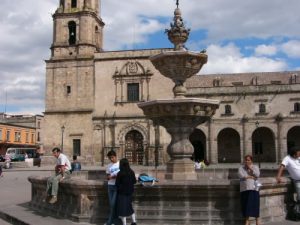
x,y
125,187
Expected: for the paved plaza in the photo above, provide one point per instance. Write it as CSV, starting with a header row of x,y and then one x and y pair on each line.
x,y
16,193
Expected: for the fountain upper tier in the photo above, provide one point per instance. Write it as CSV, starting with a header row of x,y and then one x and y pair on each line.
x,y
178,66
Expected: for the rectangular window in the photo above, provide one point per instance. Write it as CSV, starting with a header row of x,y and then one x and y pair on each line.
x,y
27,138
0,135
76,147
8,135
17,136
262,108
68,89
133,92
32,138
38,137
74,4
227,109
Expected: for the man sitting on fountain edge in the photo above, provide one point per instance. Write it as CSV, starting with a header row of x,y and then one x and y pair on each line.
x,y
62,171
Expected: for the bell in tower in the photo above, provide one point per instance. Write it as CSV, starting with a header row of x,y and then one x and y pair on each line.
x,y
78,29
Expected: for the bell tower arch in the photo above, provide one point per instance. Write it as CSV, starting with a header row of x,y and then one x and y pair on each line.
x,y
77,29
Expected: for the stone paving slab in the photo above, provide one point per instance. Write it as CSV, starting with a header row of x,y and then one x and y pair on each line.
x,y
3,222
22,215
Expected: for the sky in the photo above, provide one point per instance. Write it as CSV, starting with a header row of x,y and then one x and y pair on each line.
x,y
238,35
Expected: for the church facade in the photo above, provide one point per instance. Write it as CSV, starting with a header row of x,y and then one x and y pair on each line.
x,y
92,96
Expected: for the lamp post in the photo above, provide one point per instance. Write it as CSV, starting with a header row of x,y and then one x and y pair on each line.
x,y
258,146
62,137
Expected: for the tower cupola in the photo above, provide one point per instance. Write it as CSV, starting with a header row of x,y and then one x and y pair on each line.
x,y
78,29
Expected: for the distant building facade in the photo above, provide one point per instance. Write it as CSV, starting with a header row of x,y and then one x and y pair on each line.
x,y
16,136
27,121
92,96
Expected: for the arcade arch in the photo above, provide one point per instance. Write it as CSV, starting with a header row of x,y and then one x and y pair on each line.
x,y
198,140
263,145
229,150
293,137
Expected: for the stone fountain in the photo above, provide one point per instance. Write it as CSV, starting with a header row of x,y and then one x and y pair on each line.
x,y
182,196
180,115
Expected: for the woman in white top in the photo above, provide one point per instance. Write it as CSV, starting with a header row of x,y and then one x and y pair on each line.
x,y
248,174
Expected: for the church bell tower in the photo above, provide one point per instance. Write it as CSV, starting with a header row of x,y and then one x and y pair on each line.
x,y
78,29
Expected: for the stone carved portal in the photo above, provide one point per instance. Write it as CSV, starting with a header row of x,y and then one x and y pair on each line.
x,y
134,149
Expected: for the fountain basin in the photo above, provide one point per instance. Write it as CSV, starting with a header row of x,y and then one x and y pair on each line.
x,y
195,107
212,199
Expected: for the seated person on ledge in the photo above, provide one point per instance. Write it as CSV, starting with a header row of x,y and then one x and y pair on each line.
x,y
62,171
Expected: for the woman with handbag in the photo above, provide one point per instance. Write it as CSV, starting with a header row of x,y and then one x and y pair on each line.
x,y
249,189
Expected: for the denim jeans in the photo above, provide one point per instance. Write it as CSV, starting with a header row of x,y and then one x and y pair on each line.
x,y
297,189
112,197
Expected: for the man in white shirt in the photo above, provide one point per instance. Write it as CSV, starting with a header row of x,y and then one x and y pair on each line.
x,y
62,171
111,173
292,163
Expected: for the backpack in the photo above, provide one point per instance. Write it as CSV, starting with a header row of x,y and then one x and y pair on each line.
x,y
146,180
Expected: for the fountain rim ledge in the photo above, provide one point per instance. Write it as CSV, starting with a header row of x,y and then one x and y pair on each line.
x,y
178,52
180,100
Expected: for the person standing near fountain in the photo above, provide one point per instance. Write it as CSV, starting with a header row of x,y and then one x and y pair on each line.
x,y
111,172
62,171
292,163
248,174
125,185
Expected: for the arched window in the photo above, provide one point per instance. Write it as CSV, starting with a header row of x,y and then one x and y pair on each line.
x,y
74,4
228,109
72,33
297,107
262,108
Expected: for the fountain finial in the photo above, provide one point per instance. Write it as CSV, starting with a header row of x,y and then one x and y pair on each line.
x,y
178,34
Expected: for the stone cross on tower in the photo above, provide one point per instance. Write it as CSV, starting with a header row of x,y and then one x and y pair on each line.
x,y
177,3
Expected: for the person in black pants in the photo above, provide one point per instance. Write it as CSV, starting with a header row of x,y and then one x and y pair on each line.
x,y
125,187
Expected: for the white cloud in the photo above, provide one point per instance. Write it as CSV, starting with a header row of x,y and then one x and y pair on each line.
x,y
267,50
228,59
234,19
292,49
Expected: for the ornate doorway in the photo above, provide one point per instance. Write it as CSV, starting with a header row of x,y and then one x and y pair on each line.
x,y
134,149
